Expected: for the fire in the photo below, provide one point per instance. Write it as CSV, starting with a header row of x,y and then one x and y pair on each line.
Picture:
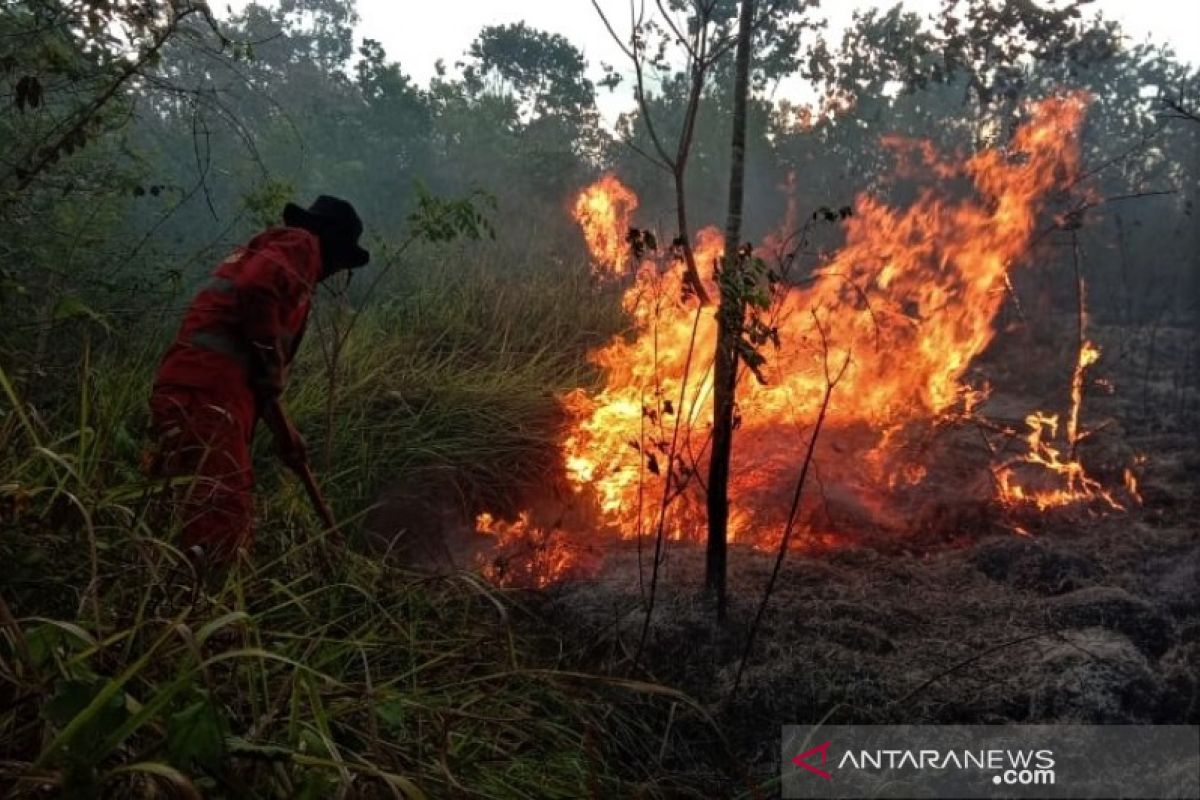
x,y
911,300
524,554
1132,482
1069,482
1075,484
604,211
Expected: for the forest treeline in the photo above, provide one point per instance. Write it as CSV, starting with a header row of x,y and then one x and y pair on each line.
x,y
135,150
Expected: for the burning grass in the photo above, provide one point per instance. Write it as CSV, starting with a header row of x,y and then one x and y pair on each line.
x,y
909,304
1086,617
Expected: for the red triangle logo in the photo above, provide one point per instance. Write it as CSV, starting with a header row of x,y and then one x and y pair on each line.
x,y
821,750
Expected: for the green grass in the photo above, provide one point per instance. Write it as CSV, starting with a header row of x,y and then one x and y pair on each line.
x,y
301,674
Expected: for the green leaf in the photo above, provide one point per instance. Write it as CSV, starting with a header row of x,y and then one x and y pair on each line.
x,y
195,737
43,641
441,220
71,699
265,202
70,307
393,716
47,639
317,785
311,743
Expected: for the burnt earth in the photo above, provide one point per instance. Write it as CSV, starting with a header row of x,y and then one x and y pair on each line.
x,y
1116,610
975,615
1090,621
1025,563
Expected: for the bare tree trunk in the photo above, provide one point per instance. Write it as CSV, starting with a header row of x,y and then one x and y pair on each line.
x,y
685,241
682,153
1195,299
730,317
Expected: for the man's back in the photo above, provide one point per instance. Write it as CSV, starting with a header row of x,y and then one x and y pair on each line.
x,y
259,296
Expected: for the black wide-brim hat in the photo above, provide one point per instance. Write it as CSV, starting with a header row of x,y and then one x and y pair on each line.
x,y
338,225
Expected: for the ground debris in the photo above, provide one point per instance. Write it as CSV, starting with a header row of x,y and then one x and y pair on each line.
x,y
1094,675
1031,565
1117,610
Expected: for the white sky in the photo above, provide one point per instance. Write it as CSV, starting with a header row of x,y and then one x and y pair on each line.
x,y
419,32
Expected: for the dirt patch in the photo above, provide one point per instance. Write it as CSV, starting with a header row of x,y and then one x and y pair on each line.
x,y
1175,583
424,523
1094,675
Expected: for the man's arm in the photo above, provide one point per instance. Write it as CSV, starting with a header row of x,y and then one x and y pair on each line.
x,y
267,299
292,449
263,326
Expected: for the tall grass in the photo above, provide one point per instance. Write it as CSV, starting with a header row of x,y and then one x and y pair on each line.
x,y
455,364
299,673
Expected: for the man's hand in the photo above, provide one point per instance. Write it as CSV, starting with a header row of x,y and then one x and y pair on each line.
x,y
293,451
270,376
288,441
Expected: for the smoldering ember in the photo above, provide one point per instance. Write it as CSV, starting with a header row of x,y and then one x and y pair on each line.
x,y
635,381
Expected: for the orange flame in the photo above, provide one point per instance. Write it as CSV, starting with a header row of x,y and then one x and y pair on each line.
x,y
604,211
1076,486
1069,483
523,554
911,300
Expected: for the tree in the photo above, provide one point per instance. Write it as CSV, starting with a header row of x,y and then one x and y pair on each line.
x,y
75,73
706,42
69,65
544,71
541,80
1182,110
986,46
730,316
710,37
321,31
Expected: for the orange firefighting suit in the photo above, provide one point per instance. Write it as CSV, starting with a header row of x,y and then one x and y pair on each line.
x,y
229,359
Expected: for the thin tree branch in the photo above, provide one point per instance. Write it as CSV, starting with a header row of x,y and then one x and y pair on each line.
x,y
50,153
675,29
831,382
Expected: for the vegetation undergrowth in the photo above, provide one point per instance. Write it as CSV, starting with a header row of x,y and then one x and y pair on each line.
x,y
302,672
454,364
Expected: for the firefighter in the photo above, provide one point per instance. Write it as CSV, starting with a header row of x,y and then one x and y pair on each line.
x,y
228,367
